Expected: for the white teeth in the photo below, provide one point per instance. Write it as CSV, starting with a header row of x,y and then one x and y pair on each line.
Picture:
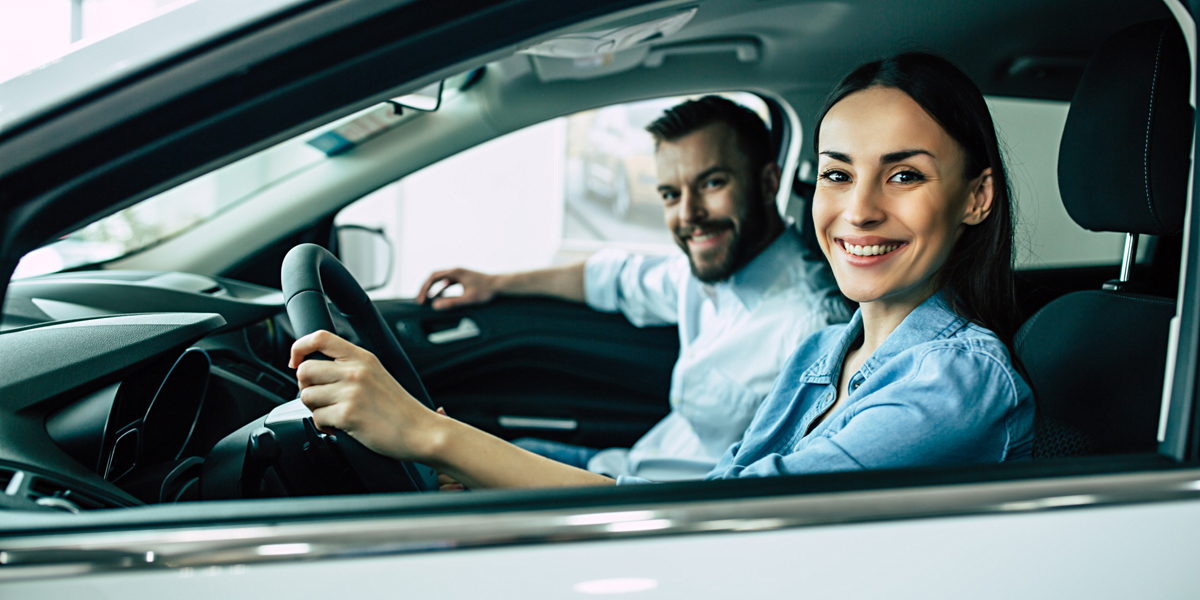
x,y
875,250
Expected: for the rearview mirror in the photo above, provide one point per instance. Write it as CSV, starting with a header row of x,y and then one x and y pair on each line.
x,y
426,99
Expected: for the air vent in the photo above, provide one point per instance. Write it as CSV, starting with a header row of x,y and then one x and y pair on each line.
x,y
6,477
55,495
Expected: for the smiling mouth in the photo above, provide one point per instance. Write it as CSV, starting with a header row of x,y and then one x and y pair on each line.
x,y
703,238
869,250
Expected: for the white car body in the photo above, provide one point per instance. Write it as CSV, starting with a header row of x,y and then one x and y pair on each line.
x,y
1108,535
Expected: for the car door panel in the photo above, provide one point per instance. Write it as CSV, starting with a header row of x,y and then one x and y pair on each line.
x,y
539,367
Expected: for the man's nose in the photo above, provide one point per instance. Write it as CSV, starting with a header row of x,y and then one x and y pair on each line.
x,y
691,206
864,209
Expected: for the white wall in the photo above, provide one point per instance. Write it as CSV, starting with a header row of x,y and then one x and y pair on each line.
x,y
437,220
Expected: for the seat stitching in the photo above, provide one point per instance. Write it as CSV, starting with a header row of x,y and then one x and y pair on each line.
x,y
1163,302
1150,300
1149,123
1028,328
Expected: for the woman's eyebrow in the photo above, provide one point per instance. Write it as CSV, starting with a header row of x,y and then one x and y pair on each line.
x,y
894,157
837,156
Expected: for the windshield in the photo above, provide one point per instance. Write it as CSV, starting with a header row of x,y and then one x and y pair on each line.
x,y
172,212
183,207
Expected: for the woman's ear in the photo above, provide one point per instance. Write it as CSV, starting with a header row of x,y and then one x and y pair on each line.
x,y
979,205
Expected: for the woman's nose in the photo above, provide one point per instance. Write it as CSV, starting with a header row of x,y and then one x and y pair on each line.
x,y
863,209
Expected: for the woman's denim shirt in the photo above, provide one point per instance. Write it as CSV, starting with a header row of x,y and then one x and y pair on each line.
x,y
939,390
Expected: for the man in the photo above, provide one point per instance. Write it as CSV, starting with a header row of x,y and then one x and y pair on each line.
x,y
741,293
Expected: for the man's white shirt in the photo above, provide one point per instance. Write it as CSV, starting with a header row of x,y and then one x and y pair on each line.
x,y
734,339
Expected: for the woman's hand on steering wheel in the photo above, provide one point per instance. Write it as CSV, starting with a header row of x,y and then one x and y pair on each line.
x,y
354,393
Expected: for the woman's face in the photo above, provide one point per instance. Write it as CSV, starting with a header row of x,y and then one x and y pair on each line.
x,y
891,197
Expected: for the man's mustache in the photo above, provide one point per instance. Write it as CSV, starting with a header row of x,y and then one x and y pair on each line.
x,y
688,231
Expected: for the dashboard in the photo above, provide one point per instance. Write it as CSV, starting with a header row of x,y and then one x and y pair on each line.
x,y
117,384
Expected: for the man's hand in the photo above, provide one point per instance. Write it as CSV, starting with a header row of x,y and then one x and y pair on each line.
x,y
477,288
354,393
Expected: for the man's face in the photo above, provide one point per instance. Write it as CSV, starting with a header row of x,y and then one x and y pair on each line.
x,y
713,202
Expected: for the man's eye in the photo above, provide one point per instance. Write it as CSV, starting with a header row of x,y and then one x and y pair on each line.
x,y
715,182
907,176
835,176
670,196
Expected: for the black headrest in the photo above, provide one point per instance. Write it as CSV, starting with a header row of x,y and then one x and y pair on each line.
x,y
1123,162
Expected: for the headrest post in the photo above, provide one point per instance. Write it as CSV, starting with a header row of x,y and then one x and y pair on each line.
x,y
1121,283
1131,243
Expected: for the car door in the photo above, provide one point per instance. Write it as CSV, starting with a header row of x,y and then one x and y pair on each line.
x,y
1114,527
540,367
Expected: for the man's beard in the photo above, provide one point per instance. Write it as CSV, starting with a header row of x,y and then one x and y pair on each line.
x,y
744,246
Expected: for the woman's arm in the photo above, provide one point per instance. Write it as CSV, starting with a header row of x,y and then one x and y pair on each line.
x,y
946,404
354,393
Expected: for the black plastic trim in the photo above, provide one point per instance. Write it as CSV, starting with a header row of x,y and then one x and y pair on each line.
x,y
1181,438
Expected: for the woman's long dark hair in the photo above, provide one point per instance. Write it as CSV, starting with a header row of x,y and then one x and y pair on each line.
x,y
978,276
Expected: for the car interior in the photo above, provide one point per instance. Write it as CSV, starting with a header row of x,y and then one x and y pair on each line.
x,y
160,377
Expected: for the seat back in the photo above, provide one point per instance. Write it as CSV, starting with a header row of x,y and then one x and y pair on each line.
x,y
1096,359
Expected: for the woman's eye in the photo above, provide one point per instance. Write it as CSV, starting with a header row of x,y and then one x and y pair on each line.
x,y
907,176
835,176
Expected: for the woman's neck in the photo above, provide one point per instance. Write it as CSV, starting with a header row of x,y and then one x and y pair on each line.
x,y
881,317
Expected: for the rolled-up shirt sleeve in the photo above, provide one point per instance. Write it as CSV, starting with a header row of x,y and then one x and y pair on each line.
x,y
643,288
956,406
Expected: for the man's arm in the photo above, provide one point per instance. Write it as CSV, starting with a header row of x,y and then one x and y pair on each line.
x,y
564,282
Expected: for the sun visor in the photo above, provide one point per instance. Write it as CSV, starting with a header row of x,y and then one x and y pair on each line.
x,y
612,40
591,54
588,67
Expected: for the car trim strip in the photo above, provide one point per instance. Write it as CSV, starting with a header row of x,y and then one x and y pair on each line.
x,y
58,555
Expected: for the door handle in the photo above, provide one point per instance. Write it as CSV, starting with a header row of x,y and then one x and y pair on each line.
x,y
465,330
510,422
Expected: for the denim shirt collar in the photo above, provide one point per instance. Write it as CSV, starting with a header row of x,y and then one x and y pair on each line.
x,y
752,282
931,320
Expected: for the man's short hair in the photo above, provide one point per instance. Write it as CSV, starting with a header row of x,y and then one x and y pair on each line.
x,y
752,136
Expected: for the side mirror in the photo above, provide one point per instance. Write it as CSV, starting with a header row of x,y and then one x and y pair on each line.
x,y
366,253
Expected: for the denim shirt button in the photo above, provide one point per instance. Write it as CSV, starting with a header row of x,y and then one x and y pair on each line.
x,y
854,383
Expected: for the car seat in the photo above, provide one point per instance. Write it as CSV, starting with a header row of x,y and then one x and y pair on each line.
x,y
1096,359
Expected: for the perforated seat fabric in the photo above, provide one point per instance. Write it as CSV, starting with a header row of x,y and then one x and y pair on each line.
x,y
1054,439
1096,361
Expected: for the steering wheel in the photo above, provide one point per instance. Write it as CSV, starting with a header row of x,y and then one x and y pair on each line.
x,y
309,274
283,453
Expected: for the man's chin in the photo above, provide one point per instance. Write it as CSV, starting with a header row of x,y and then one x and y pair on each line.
x,y
709,271
712,264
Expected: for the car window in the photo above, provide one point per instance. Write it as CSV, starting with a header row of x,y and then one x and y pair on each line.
x,y
1047,237
557,191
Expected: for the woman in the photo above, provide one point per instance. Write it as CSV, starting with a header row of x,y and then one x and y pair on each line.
x,y
912,210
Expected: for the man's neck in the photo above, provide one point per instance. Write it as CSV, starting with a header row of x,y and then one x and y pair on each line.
x,y
775,228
